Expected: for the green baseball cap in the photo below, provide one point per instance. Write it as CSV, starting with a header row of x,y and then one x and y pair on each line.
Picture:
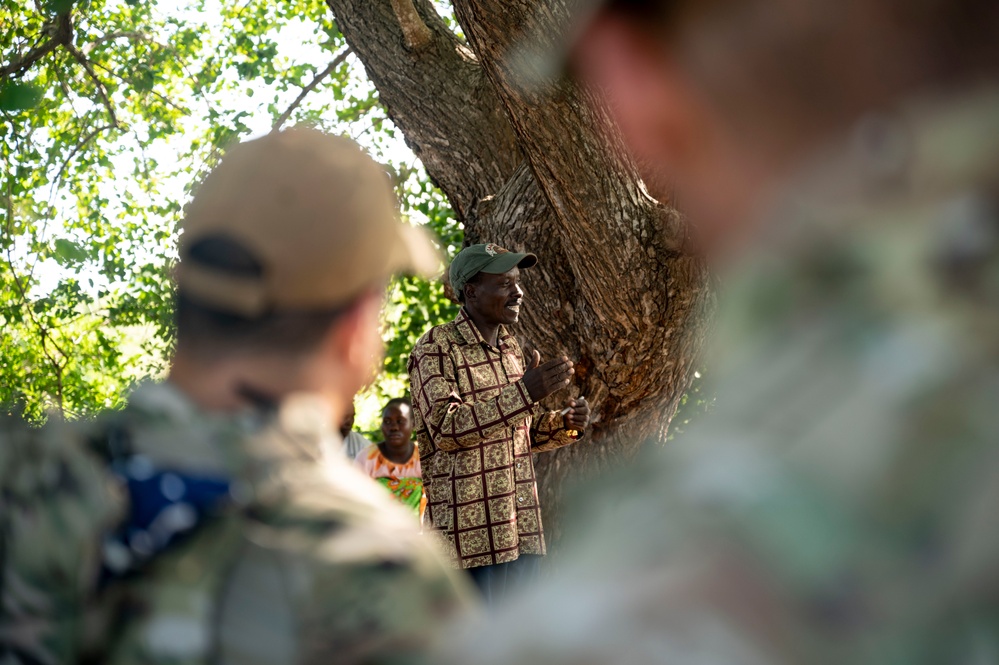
x,y
489,258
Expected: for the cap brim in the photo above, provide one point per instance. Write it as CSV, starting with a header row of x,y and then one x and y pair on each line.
x,y
507,261
413,253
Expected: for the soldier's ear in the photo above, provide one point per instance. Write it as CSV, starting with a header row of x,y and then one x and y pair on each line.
x,y
354,341
469,291
653,101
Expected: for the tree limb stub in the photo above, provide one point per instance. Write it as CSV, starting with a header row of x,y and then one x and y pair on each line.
x,y
414,30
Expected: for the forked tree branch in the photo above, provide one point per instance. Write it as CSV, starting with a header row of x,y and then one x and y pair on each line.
x,y
436,93
61,34
101,90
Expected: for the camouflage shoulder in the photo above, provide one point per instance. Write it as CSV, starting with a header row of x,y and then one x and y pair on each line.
x,y
57,500
365,585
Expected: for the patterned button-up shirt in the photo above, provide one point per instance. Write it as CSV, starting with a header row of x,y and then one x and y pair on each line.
x,y
476,427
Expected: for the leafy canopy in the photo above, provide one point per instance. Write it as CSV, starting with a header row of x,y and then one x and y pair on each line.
x,y
110,112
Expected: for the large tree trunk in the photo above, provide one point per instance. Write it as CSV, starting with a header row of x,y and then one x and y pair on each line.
x,y
536,167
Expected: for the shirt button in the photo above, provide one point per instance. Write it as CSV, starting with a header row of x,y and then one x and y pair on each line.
x,y
520,499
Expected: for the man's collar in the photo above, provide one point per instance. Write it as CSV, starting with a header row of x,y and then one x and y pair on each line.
x,y
469,332
305,415
164,399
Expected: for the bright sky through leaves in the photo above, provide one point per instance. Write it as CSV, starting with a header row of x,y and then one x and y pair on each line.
x,y
132,114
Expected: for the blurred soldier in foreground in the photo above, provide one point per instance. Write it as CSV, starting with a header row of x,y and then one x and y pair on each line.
x,y
839,505
228,537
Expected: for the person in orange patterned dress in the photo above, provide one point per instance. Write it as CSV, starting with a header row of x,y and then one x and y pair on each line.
x,y
395,462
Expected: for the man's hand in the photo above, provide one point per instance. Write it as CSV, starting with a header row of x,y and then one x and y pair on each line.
x,y
578,415
542,380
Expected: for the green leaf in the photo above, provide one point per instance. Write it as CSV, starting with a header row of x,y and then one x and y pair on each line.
x,y
68,252
60,6
20,96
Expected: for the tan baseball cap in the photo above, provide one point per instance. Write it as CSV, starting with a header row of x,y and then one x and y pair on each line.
x,y
317,213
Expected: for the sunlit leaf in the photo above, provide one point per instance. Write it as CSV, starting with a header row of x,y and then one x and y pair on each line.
x,y
20,96
67,251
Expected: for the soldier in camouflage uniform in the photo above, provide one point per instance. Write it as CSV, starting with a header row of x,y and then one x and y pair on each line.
x,y
839,504
206,521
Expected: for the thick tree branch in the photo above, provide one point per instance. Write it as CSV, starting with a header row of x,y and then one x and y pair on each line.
x,y
60,34
581,173
438,96
330,68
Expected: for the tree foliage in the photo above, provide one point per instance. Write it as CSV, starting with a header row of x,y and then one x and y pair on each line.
x,y
110,113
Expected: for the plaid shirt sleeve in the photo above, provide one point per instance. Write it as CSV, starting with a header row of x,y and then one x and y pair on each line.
x,y
452,422
548,431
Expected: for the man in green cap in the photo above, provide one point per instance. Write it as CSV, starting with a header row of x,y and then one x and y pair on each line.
x,y
478,419
206,522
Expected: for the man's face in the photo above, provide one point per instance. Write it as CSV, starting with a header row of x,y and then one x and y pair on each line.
x,y
496,299
397,424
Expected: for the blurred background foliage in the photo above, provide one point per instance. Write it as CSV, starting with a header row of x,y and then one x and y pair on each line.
x,y
110,113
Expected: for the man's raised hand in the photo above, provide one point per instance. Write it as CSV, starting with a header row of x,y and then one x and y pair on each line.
x,y
577,414
541,380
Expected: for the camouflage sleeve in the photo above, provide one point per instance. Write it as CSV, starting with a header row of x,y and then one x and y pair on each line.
x,y
381,613
548,432
690,594
56,501
452,422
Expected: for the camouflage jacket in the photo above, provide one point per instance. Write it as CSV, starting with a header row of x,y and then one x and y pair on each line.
x,y
839,505
231,540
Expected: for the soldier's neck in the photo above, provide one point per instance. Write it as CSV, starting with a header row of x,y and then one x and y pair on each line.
x,y
231,385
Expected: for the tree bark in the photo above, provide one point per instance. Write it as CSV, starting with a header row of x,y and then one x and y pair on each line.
x,y
539,167
436,93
